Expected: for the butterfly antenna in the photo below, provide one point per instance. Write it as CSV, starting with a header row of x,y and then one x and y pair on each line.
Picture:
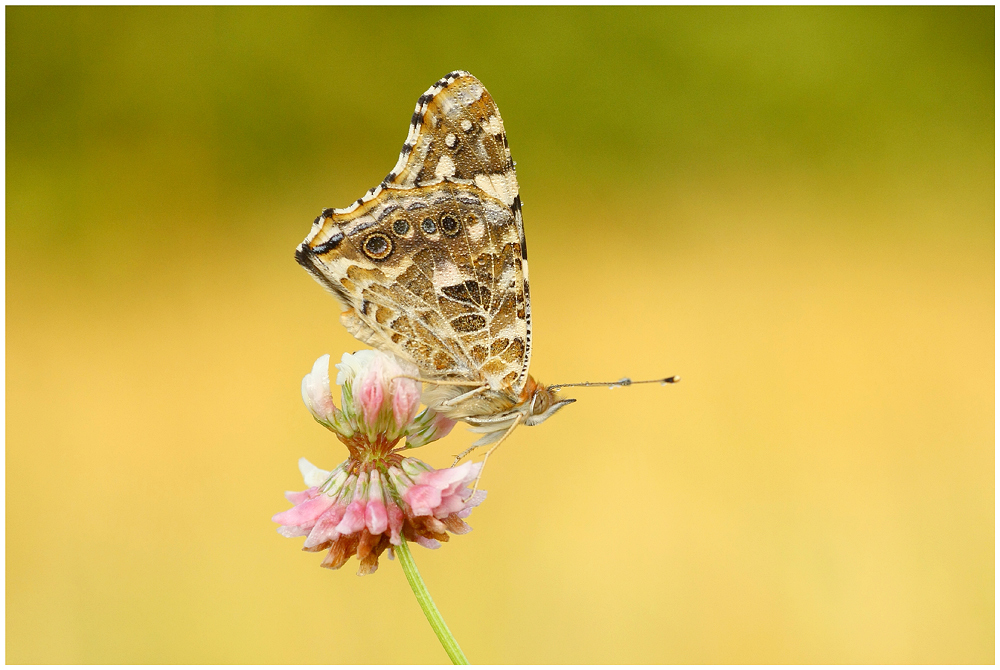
x,y
624,381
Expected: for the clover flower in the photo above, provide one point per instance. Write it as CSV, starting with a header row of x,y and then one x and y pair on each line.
x,y
377,498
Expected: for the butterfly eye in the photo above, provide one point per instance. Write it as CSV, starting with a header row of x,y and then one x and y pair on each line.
x,y
401,227
450,225
428,226
378,247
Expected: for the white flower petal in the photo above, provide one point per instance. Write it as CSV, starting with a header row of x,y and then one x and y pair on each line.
x,y
316,390
312,475
351,364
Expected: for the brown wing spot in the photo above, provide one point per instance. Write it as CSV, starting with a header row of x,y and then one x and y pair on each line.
x,y
484,297
402,324
514,352
470,292
509,258
498,346
420,350
458,292
510,379
493,367
420,337
371,275
433,321
348,284
443,361
383,314
504,316
468,323
417,283
479,354
452,308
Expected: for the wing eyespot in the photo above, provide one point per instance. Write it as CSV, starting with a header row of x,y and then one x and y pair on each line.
x,y
450,226
401,227
377,246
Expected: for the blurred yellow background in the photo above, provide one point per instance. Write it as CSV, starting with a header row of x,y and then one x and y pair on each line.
x,y
791,208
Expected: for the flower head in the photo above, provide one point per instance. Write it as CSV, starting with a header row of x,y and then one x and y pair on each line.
x,y
377,498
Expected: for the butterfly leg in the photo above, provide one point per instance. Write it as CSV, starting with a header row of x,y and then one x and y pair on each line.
x,y
479,443
475,486
464,454
459,398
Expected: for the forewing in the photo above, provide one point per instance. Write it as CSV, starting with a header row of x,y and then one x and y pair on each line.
x,y
455,301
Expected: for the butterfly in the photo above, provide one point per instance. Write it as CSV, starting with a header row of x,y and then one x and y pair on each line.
x,y
432,265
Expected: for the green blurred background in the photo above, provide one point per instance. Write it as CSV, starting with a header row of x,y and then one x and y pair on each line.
x,y
791,208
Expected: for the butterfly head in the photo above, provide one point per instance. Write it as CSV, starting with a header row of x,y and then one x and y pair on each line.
x,y
541,402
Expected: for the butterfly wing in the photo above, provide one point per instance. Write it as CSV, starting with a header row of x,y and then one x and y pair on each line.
x,y
431,264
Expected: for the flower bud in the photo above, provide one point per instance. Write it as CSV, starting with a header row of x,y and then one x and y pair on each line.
x,y
316,392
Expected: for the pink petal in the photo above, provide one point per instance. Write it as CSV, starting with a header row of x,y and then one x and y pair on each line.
x,y
304,513
422,499
299,497
405,400
354,518
293,531
395,523
376,517
449,505
326,526
442,426
427,542
443,479
371,394
477,499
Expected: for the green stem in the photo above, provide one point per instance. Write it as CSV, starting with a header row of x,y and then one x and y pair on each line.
x,y
444,635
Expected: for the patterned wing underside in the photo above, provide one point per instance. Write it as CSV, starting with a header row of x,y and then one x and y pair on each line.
x,y
431,264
